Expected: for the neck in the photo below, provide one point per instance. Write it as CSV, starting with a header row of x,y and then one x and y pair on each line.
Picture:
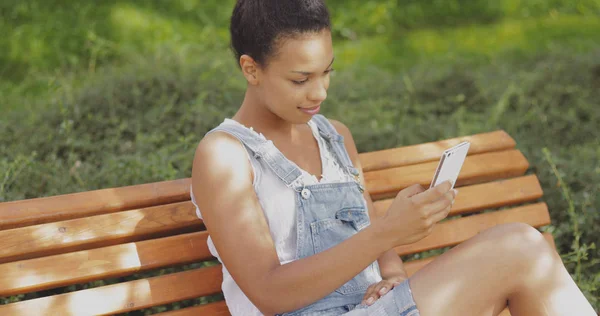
x,y
254,113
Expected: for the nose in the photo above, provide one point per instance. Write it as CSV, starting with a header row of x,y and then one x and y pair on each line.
x,y
318,93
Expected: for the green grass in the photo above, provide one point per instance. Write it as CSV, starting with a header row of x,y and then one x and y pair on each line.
x,y
479,43
113,93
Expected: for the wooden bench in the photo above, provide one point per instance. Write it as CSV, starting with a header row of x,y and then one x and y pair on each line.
x,y
54,242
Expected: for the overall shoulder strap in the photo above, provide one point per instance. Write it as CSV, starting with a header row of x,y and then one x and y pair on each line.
x,y
263,149
336,142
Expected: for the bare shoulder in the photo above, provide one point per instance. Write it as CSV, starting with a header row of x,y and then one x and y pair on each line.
x,y
341,128
220,156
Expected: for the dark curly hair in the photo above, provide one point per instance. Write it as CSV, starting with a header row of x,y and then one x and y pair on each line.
x,y
257,25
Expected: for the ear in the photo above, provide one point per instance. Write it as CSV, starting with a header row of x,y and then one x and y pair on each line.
x,y
249,69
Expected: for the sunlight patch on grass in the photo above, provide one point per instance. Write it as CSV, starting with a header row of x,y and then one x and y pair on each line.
x,y
525,37
509,34
151,30
484,40
134,24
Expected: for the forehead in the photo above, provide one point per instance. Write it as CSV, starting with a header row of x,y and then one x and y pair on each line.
x,y
308,52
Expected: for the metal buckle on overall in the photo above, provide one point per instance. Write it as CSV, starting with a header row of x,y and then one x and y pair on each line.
x,y
357,179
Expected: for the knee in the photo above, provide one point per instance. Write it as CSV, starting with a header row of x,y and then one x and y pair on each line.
x,y
524,245
525,233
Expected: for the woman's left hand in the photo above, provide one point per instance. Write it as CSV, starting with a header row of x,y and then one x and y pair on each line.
x,y
377,290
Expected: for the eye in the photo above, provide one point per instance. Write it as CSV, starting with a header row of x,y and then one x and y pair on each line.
x,y
300,82
329,70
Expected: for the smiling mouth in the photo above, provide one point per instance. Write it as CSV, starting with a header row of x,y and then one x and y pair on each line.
x,y
310,109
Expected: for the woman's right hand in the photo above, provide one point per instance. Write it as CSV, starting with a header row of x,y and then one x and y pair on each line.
x,y
414,212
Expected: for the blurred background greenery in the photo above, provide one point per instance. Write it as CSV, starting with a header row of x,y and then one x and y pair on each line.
x,y
97,94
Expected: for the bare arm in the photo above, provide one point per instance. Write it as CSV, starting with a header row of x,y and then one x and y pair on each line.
x,y
390,264
222,182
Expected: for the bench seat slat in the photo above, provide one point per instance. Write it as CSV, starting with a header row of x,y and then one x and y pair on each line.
x,y
124,297
108,262
485,196
76,205
476,169
410,155
97,231
218,309
452,232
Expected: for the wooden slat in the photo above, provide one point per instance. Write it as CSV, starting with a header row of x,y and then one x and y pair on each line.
x,y
485,196
101,263
69,206
217,309
410,155
476,169
452,232
97,231
124,297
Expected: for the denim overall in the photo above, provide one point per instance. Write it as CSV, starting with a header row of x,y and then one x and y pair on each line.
x,y
326,213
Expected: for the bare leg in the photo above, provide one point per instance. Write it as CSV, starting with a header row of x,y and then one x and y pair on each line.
x,y
508,264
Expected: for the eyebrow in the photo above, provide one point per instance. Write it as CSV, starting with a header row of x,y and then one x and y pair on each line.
x,y
306,73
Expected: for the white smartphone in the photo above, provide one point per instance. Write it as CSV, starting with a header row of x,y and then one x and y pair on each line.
x,y
450,164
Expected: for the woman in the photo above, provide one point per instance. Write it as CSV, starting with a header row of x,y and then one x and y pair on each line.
x,y
281,191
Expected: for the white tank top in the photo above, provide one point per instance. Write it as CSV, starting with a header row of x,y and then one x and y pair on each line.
x,y
279,206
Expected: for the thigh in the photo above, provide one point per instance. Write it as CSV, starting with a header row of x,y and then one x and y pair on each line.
x,y
473,278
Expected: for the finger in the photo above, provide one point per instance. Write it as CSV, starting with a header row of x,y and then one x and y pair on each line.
x,y
432,194
369,295
441,215
370,300
380,290
375,291
440,205
411,190
384,289
390,284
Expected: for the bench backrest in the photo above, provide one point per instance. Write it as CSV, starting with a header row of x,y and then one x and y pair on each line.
x,y
122,235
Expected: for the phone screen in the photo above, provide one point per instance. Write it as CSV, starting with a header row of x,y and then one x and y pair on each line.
x,y
450,164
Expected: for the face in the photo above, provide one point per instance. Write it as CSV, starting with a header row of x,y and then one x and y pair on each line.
x,y
294,83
